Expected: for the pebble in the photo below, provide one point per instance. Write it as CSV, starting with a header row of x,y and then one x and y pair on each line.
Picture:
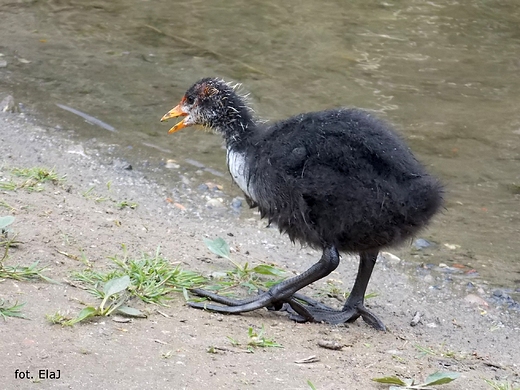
x,y
214,204
121,164
171,164
392,259
500,297
328,344
421,243
236,203
8,105
452,246
3,63
416,319
475,300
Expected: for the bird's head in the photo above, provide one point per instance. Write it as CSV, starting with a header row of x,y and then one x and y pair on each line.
x,y
211,103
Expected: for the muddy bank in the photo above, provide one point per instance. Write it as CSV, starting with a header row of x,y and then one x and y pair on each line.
x,y
460,326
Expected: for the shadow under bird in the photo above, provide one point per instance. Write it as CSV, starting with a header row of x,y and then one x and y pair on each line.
x,y
339,180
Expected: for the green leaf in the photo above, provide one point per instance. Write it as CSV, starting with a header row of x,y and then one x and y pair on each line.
x,y
264,269
87,312
218,246
131,312
391,380
6,221
233,341
311,385
441,378
116,285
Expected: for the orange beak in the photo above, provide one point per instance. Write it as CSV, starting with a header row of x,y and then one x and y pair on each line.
x,y
173,113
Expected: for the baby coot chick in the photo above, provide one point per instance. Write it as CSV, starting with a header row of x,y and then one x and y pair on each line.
x,y
339,180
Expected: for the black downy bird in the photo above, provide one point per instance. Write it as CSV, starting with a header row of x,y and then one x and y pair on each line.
x,y
339,180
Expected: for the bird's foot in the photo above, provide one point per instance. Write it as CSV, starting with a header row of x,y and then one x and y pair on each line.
x,y
303,309
299,307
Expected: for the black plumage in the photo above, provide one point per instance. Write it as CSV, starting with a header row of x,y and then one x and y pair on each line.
x,y
338,180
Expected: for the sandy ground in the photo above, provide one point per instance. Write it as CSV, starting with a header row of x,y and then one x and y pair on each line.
x,y
465,333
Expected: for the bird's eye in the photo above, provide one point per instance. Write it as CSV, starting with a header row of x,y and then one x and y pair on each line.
x,y
190,100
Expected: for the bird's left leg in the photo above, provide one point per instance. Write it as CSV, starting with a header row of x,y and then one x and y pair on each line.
x,y
277,294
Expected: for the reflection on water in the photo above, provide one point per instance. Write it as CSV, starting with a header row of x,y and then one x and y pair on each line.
x,y
446,72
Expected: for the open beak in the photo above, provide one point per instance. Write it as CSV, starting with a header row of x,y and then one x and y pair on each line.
x,y
173,113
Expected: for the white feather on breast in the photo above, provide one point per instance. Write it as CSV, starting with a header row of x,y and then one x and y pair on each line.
x,y
240,172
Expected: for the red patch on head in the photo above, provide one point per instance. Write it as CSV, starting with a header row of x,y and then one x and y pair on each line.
x,y
209,90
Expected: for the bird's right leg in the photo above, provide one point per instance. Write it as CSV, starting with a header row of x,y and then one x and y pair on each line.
x,y
277,294
303,309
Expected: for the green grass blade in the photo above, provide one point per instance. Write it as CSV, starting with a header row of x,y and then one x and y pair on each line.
x,y
11,311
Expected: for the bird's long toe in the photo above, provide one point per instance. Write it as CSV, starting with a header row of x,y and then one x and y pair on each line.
x,y
220,298
229,305
303,309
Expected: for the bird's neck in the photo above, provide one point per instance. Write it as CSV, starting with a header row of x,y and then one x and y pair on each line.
x,y
238,136
238,129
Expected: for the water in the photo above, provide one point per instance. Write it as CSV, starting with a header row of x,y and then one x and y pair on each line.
x,y
447,73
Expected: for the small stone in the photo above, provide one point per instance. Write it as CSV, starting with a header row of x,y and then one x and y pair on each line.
x,y
452,246
421,243
121,319
334,345
121,164
9,105
214,204
236,203
185,181
3,63
213,186
475,300
171,164
392,259
416,319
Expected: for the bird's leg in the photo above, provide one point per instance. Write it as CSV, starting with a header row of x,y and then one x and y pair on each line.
x,y
355,301
277,294
306,309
